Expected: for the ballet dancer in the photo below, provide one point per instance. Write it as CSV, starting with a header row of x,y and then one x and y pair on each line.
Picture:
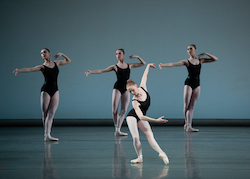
x,y
49,91
192,83
137,117
120,92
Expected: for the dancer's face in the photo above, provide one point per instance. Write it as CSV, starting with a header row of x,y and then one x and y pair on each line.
x,y
45,54
133,89
119,55
191,50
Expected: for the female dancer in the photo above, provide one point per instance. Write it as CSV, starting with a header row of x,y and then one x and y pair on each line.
x,y
136,117
49,91
192,83
122,71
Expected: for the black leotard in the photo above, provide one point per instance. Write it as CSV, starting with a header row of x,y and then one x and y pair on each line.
x,y
144,105
122,77
50,77
193,79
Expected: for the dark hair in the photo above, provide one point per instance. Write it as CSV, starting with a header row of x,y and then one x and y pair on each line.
x,y
193,45
122,50
46,49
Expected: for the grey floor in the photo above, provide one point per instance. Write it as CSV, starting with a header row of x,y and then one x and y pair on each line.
x,y
93,152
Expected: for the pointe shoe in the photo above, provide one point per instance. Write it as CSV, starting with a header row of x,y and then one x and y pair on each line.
x,y
190,129
49,138
137,160
164,157
120,133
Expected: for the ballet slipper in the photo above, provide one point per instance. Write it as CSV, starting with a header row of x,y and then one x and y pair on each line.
x,y
49,138
119,133
164,157
190,129
137,160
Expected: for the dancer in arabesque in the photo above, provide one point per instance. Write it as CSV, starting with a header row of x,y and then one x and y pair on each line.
x,y
192,84
120,93
49,91
137,118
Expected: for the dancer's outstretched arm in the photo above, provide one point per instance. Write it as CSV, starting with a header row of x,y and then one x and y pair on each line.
x,y
62,62
134,65
180,63
139,113
27,70
99,71
207,60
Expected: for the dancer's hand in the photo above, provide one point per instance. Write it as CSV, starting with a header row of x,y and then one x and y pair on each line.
x,y
133,56
87,73
58,55
160,65
16,72
151,65
201,55
160,119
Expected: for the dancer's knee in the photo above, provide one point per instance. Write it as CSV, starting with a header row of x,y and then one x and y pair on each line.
x,y
123,111
136,139
50,114
114,113
185,110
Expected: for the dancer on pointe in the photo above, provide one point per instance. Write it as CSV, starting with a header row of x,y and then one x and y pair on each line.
x,y
192,83
49,91
120,92
136,117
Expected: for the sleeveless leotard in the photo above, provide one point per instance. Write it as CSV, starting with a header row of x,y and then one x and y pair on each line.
x,y
50,77
193,79
144,105
122,77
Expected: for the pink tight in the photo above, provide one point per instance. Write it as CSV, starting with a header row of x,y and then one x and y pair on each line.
x,y
49,106
146,129
124,98
190,98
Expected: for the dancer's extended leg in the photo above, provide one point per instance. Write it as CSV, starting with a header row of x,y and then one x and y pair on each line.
x,y
49,106
146,129
190,98
132,125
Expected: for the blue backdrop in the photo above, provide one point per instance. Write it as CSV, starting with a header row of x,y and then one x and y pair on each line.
x,y
90,31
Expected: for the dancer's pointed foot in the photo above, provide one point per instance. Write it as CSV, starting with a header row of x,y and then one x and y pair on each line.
x,y
49,138
137,160
119,133
164,157
190,129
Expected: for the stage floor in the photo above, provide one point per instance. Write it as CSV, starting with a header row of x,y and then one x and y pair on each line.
x,y
94,152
